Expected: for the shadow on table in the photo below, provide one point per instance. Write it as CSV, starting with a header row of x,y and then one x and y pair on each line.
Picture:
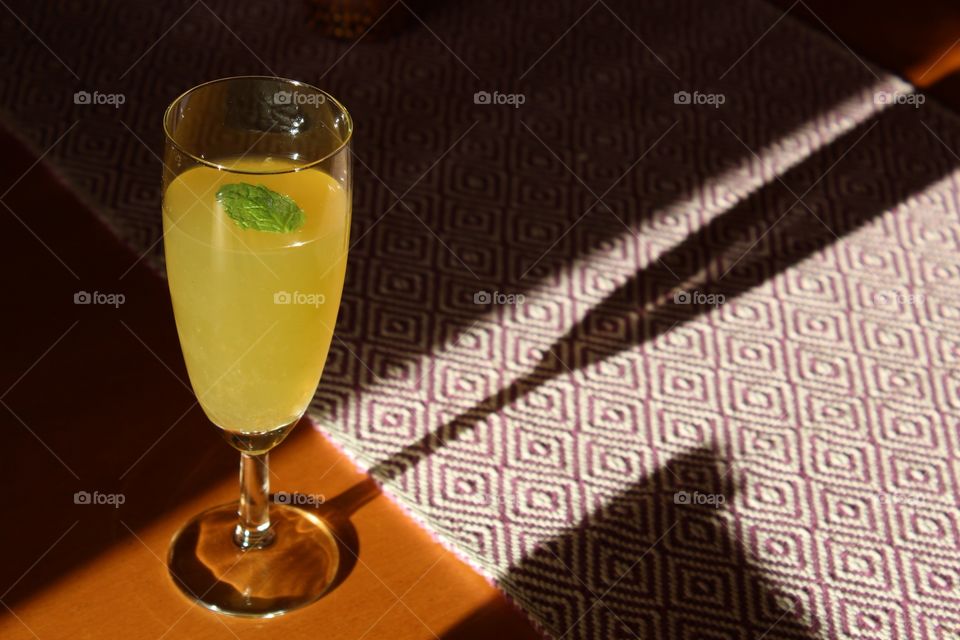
x,y
740,249
337,512
499,616
660,560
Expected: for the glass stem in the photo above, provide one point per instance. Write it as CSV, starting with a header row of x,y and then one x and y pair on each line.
x,y
253,531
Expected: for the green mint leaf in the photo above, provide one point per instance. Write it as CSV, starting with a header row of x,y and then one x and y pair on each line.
x,y
259,208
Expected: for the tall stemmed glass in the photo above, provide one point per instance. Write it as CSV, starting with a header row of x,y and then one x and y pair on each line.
x,y
256,219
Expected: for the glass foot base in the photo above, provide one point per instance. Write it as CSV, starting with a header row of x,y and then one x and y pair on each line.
x,y
296,568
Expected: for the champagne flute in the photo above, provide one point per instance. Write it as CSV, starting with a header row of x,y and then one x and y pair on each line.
x,y
256,219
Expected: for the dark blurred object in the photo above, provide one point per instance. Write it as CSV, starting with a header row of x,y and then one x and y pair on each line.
x,y
351,19
917,40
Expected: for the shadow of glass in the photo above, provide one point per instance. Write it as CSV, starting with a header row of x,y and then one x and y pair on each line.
x,y
661,559
735,252
511,193
336,513
211,568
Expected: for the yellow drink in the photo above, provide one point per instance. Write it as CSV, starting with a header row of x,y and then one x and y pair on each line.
x,y
255,310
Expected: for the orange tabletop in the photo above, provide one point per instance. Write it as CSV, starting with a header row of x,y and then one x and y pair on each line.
x,y
95,399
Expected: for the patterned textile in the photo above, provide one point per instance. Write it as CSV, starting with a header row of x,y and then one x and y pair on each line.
x,y
661,364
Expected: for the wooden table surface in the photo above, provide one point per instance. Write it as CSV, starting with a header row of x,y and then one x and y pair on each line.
x,y
94,398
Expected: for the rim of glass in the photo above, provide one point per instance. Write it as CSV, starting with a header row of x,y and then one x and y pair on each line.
x,y
339,105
